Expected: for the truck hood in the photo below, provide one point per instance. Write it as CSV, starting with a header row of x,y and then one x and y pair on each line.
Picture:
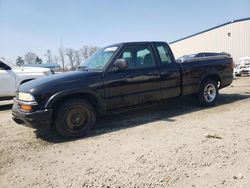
x,y
64,80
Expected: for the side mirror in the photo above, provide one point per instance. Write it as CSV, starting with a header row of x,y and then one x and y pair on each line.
x,y
121,64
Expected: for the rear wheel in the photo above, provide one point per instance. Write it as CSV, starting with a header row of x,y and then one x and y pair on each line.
x,y
75,118
208,93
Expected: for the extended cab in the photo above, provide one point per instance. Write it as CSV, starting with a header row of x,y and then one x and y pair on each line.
x,y
115,78
11,76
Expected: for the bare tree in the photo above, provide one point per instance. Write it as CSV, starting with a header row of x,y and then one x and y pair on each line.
x,y
70,52
48,54
30,58
55,60
85,52
19,61
38,60
92,50
77,58
62,57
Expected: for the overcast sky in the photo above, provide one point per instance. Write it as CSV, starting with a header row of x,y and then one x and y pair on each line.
x,y
31,25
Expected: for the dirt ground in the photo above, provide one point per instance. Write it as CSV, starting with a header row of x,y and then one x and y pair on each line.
x,y
161,146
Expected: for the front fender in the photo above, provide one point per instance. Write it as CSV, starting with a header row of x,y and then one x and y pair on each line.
x,y
76,91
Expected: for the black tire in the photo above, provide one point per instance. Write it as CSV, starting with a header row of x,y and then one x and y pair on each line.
x,y
238,75
75,118
208,93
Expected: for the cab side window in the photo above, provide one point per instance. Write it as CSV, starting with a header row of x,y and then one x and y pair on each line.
x,y
163,54
138,56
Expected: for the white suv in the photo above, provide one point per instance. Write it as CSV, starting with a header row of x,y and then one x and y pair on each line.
x,y
11,76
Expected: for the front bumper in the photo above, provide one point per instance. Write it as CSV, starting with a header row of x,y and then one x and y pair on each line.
x,y
37,119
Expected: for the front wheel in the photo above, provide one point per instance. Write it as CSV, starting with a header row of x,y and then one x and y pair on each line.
x,y
208,93
75,118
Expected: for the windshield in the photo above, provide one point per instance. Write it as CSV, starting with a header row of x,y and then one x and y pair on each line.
x,y
100,58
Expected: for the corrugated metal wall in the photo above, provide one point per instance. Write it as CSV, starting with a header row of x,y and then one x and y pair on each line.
x,y
233,38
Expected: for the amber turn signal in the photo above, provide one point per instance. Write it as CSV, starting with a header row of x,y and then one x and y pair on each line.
x,y
26,107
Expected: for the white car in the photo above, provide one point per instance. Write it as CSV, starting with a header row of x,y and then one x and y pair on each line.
x,y
11,76
243,67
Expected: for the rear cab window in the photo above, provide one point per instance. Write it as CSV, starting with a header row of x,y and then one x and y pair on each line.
x,y
163,53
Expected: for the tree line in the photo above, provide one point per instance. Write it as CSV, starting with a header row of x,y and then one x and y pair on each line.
x,y
67,58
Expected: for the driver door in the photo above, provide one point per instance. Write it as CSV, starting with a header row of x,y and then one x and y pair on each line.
x,y
7,81
139,83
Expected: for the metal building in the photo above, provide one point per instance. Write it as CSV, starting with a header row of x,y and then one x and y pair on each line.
x,y
231,37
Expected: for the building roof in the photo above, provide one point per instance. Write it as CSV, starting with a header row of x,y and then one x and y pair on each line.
x,y
227,23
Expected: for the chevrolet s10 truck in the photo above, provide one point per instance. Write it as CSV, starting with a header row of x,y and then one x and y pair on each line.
x,y
116,78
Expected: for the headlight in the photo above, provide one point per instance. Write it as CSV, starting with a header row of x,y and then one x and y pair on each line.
x,y
25,97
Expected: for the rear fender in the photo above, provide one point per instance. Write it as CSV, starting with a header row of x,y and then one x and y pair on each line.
x,y
211,75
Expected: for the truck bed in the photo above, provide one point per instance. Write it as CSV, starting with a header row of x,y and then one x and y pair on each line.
x,y
195,69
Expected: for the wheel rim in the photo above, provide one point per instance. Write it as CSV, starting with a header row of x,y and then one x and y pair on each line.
x,y
76,118
210,92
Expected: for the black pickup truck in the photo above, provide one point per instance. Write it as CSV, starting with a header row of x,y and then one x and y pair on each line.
x,y
116,78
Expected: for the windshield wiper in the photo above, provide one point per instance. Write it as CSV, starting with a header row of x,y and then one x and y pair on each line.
x,y
82,67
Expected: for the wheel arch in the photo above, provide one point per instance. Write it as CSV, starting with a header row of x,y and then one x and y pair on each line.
x,y
94,99
213,76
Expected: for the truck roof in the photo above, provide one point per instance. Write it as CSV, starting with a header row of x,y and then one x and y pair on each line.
x,y
138,42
